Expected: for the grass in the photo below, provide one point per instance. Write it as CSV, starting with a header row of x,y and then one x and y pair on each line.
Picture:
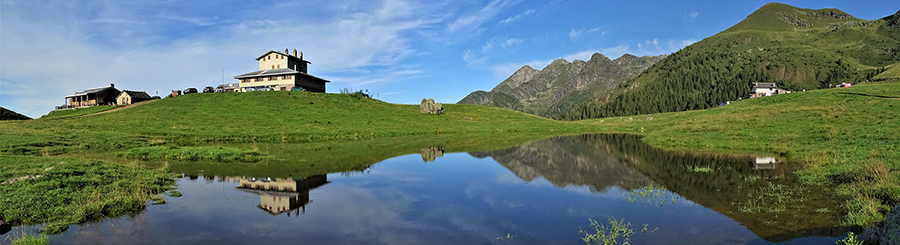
x,y
74,190
220,154
29,239
77,112
845,137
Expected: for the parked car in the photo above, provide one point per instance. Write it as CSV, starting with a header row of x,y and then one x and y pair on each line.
x,y
265,89
249,89
209,90
190,91
220,89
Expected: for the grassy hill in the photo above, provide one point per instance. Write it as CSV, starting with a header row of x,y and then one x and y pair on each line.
x,y
796,48
846,138
276,117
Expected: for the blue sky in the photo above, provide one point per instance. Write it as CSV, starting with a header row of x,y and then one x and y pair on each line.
x,y
401,50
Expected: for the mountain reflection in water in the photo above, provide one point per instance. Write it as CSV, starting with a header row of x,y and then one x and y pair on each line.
x,y
541,192
764,196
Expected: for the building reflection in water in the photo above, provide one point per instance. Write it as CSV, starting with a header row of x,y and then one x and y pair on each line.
x,y
764,163
278,196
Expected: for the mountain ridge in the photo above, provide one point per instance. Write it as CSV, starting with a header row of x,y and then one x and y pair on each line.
x,y
561,85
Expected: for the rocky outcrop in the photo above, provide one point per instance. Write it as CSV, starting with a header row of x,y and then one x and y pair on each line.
x,y
428,106
561,85
890,232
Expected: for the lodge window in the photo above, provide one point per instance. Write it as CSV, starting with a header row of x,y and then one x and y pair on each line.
x,y
279,66
273,66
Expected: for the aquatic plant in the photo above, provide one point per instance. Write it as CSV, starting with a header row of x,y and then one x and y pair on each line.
x,y
652,195
851,239
608,234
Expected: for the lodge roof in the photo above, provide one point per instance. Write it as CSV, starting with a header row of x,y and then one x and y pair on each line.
x,y
91,91
288,55
277,72
765,85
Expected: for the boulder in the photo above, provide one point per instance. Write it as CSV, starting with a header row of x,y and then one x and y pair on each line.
x,y
428,106
14,180
890,232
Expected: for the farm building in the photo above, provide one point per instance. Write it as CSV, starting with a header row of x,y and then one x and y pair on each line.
x,y
91,97
128,97
281,71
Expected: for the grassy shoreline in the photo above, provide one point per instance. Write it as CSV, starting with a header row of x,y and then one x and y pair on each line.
x,y
844,136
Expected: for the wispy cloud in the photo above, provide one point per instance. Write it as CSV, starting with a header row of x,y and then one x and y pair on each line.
x,y
517,17
691,15
199,21
656,47
481,16
512,42
574,34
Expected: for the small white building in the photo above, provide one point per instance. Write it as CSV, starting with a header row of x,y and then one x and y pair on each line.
x,y
765,89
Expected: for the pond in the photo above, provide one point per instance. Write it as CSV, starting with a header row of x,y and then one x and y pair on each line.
x,y
542,192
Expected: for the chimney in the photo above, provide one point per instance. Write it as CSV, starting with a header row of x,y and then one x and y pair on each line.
x,y
295,52
286,51
112,85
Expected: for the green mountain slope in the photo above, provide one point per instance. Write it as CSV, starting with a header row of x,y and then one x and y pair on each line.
x,y
6,114
796,48
561,86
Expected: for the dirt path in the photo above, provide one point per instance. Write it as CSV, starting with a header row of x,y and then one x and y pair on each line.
x,y
121,108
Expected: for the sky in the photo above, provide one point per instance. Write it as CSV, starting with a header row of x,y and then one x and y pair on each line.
x,y
400,50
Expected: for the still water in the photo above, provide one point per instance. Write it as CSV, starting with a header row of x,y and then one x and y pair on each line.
x,y
542,192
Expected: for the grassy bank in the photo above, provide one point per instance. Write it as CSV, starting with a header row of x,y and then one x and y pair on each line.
x,y
71,190
847,138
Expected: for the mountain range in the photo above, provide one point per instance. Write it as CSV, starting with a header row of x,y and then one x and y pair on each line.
x,y
562,85
797,49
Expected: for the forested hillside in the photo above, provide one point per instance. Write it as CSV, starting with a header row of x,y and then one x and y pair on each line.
x,y
795,48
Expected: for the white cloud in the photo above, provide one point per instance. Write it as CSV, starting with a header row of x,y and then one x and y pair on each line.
x,y
691,15
574,34
657,47
512,42
517,17
476,19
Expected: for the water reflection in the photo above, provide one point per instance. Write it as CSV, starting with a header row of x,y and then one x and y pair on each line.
x,y
541,192
278,196
763,195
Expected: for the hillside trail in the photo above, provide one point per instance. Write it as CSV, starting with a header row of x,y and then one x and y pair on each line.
x,y
121,108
